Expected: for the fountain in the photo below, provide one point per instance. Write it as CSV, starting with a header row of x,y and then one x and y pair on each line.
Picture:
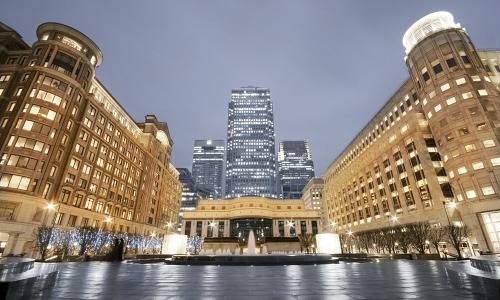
x,y
251,256
251,243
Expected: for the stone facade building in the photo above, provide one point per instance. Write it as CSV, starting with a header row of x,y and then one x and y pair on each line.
x,y
65,141
432,153
265,216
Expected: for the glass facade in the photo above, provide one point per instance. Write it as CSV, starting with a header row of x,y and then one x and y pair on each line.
x,y
295,167
208,166
190,193
261,227
250,159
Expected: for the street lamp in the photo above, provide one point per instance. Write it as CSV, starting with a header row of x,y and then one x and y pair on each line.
x,y
394,218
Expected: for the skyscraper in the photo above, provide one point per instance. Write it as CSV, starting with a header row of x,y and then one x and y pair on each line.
x,y
208,165
295,168
190,192
250,160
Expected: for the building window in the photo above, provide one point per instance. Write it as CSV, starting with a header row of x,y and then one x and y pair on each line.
x,y
437,68
451,62
462,170
471,194
478,165
495,161
488,190
187,228
15,182
451,101
199,226
482,92
488,143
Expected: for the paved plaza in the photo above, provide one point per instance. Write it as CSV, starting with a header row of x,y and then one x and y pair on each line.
x,y
399,279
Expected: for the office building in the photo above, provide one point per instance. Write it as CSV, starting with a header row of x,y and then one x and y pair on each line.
x,y
250,159
295,168
432,152
208,166
66,141
191,193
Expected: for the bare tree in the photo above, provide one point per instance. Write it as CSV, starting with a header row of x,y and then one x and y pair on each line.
x,y
456,235
436,235
389,239
364,240
306,240
402,237
419,233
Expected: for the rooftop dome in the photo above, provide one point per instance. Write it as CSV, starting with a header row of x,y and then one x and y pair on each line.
x,y
430,24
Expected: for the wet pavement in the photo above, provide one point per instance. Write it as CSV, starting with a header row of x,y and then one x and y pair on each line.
x,y
399,279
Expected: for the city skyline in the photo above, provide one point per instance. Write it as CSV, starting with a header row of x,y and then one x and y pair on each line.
x,y
322,82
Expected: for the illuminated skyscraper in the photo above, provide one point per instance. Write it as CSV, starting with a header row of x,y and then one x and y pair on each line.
x,y
208,165
250,160
295,167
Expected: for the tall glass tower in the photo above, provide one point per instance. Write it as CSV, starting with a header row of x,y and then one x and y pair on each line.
x,y
208,165
295,166
250,159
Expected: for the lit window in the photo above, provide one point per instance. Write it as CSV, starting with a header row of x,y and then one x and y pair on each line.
x,y
488,190
482,92
495,161
478,165
452,174
470,147
429,115
467,95
462,170
460,81
28,125
451,101
437,108
445,87
471,194
476,78
488,143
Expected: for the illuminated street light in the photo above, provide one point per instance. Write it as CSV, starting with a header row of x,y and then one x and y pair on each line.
x,y
51,206
394,218
349,233
108,220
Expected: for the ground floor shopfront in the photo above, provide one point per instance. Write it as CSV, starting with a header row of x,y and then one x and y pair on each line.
x,y
21,215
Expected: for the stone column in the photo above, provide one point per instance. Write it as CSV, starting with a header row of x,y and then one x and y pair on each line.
x,y
11,243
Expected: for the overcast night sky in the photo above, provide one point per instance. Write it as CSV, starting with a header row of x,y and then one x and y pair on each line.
x,y
329,64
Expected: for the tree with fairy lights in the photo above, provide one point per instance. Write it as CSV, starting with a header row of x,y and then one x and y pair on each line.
x,y
42,239
194,244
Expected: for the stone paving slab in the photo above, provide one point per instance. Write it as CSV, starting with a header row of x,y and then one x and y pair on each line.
x,y
399,279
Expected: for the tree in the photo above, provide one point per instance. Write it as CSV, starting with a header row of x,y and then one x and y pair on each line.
x,y
436,236
365,240
456,235
194,244
402,237
418,234
43,235
389,239
87,236
306,240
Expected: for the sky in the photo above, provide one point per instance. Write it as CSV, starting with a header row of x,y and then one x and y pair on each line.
x,y
330,65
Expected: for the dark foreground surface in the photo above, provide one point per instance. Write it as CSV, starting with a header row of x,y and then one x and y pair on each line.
x,y
398,279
